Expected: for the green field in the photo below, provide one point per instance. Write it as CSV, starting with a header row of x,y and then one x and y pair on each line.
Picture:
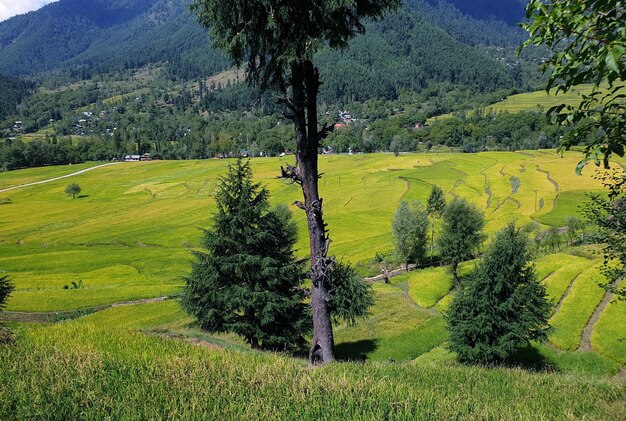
x,y
130,236
137,222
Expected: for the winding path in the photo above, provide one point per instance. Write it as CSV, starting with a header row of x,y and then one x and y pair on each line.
x,y
51,316
34,183
585,339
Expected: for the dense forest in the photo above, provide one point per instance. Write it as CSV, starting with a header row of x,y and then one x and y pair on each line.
x,y
12,92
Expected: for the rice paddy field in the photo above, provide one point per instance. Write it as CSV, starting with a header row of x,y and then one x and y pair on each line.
x,y
130,234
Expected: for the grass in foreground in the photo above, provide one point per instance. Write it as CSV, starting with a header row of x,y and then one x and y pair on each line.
x,y
99,367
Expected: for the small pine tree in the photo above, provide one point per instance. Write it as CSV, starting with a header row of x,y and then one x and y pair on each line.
x,y
73,190
6,287
461,234
409,227
247,279
501,307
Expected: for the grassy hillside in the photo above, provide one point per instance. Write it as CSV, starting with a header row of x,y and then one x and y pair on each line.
x,y
130,234
99,366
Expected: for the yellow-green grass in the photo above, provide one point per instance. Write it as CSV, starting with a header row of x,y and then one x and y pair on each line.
x,y
396,329
100,367
428,286
146,215
583,297
540,100
609,335
557,271
568,204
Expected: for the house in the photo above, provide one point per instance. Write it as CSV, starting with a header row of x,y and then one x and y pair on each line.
x,y
132,158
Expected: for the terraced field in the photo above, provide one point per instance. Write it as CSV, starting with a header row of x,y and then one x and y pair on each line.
x,y
130,234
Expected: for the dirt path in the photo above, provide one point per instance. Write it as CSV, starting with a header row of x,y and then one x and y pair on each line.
x,y
585,339
390,274
34,183
55,316
565,294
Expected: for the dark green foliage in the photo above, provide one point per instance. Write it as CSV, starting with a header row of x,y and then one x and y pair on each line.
x,y
6,287
350,296
247,279
461,234
436,203
73,190
501,307
595,53
291,31
609,214
409,227
12,91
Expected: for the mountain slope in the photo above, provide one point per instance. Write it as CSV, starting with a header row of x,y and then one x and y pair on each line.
x,y
104,35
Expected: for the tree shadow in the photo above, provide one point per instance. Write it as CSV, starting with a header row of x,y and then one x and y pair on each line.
x,y
355,351
82,196
530,358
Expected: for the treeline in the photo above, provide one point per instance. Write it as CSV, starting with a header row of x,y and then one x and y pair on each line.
x,y
467,132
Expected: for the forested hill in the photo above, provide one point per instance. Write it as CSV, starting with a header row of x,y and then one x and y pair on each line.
x,y
511,11
96,36
426,39
12,91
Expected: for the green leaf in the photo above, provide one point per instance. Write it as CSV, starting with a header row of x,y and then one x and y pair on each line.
x,y
612,58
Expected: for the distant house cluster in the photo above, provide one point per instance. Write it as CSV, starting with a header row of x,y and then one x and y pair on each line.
x,y
137,158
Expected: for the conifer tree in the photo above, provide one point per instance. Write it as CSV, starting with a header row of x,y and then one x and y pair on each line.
x,y
6,287
247,279
461,234
502,306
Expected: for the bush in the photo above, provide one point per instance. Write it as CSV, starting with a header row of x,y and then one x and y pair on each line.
x,y
73,190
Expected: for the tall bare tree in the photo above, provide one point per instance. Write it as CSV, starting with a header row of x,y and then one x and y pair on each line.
x,y
277,41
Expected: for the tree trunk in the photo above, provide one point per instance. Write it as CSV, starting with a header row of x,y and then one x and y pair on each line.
x,y
305,86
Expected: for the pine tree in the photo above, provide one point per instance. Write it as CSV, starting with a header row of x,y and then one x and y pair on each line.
x,y
6,287
461,234
247,279
502,306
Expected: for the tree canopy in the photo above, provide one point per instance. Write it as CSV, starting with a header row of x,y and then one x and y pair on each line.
x,y
461,234
588,43
409,227
269,35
